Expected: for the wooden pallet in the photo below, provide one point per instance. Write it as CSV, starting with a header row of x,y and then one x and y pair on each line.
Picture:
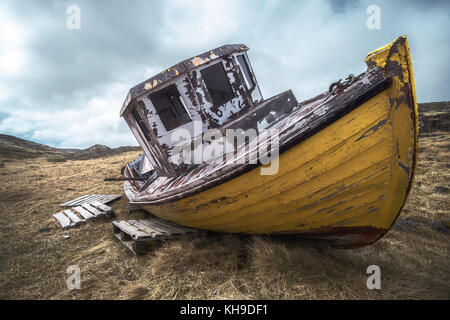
x,y
102,198
79,214
138,234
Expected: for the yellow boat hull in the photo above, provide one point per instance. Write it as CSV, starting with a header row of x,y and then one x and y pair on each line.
x,y
347,183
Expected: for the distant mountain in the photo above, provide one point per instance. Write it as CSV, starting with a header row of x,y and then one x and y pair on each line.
x,y
12,147
15,148
100,150
434,116
442,106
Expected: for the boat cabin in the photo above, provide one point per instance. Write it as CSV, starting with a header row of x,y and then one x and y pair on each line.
x,y
211,90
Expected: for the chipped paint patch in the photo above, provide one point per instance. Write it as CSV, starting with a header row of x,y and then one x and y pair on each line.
x,y
149,85
197,61
213,55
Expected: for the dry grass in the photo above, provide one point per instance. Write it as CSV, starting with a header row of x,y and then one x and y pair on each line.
x,y
413,256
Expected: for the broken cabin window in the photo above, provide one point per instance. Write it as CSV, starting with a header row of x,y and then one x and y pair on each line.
x,y
170,107
246,71
216,81
141,124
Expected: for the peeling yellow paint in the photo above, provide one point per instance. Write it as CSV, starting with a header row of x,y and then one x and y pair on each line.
x,y
404,113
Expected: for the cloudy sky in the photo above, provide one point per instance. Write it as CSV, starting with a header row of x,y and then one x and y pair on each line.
x,y
64,87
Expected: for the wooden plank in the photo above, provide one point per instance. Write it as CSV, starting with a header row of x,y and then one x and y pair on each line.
x,y
138,234
155,227
83,212
137,247
105,198
152,232
108,211
69,203
82,200
91,209
75,219
134,232
79,200
131,230
102,198
113,197
101,206
170,227
174,225
99,198
127,243
63,220
91,198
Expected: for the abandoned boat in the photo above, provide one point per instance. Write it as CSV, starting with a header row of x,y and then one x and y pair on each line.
x,y
345,159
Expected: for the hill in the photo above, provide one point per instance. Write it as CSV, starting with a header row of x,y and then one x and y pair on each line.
x,y
434,116
15,148
99,150
12,147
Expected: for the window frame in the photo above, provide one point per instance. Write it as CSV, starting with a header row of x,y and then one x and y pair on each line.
x,y
250,73
227,79
140,122
179,120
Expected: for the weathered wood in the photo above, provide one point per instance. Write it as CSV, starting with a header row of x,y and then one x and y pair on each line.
x,y
148,224
63,220
138,234
75,219
83,212
134,232
166,227
91,209
170,225
103,207
137,247
153,150
152,232
102,198
97,197
76,215
125,179
71,202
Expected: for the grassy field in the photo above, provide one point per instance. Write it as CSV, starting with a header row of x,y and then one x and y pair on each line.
x,y
413,256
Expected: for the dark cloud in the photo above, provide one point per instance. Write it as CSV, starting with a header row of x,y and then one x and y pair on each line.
x,y
65,87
